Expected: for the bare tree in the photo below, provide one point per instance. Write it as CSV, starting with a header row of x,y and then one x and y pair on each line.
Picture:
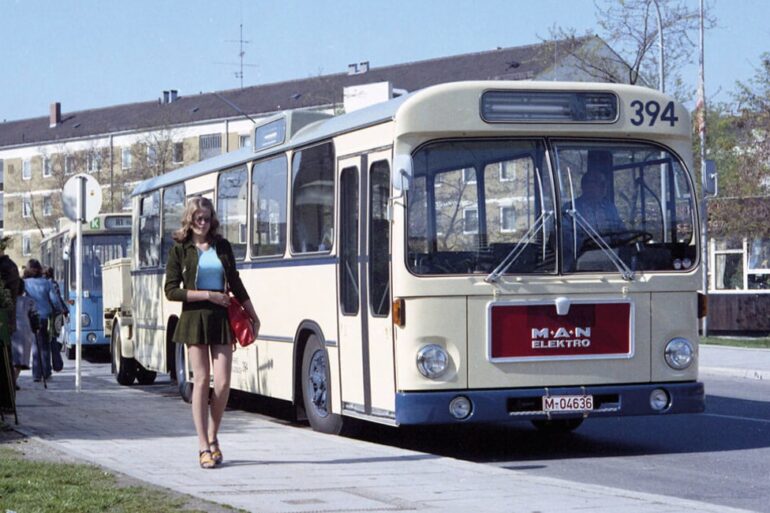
x,y
631,29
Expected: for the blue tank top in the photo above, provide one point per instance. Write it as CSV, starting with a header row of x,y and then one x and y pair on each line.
x,y
211,274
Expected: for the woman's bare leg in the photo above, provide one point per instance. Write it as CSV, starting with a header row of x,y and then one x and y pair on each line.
x,y
222,358
199,362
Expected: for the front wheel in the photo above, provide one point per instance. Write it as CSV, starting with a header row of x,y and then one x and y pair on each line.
x,y
316,391
123,368
184,385
144,376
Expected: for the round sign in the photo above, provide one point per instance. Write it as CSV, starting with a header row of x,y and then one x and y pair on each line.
x,y
91,201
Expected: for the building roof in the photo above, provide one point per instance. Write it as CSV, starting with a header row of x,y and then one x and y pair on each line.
x,y
514,63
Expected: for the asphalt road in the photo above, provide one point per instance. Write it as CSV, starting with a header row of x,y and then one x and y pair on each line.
x,y
721,456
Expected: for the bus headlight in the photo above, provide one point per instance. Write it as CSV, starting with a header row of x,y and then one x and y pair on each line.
x,y
91,338
679,353
85,320
432,361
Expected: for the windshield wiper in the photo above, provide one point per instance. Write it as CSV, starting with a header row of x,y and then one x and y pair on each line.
x,y
624,270
518,249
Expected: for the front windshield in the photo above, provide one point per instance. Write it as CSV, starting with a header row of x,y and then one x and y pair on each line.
x,y
487,207
625,205
97,249
472,203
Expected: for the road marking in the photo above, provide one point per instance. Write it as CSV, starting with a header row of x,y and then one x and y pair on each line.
x,y
736,417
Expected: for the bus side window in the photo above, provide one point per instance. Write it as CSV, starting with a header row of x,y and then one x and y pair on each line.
x,y
312,202
173,208
149,230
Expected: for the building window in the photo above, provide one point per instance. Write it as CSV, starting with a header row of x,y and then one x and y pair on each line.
x,y
94,162
47,206
470,220
26,170
152,155
507,170
507,219
245,141
26,245
47,167
210,146
126,158
69,165
469,175
26,206
178,153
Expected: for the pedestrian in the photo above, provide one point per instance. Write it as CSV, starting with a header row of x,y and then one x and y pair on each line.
x,y
58,319
39,288
9,275
199,272
23,339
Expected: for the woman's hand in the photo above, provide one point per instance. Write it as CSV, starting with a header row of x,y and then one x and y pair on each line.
x,y
219,298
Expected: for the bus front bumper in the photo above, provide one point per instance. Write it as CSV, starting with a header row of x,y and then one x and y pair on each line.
x,y
527,403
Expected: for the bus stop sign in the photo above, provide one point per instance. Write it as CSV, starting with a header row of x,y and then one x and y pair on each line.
x,y
91,200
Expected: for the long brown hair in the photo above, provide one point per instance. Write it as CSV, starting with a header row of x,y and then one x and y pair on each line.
x,y
193,205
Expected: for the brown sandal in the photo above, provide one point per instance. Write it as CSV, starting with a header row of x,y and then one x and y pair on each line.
x,y
216,453
205,459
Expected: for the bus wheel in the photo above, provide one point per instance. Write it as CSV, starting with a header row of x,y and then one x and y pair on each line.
x,y
557,426
185,385
316,391
143,376
123,368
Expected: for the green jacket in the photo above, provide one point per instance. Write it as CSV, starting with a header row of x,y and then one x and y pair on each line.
x,y
182,270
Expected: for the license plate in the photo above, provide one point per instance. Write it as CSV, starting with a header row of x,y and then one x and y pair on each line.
x,y
568,403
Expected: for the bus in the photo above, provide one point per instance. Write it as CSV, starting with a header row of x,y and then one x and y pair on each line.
x,y
106,237
426,261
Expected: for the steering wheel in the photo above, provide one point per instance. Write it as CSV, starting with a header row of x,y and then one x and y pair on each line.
x,y
629,237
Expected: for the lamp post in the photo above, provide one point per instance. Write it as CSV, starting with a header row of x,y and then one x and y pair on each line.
x,y
661,77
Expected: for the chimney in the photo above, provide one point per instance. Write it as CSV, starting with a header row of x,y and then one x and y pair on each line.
x,y
174,95
363,67
55,117
352,69
165,96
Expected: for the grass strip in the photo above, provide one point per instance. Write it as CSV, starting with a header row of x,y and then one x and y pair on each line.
x,y
28,486
750,342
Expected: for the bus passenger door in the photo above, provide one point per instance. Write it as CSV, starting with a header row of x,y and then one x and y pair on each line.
x,y
365,336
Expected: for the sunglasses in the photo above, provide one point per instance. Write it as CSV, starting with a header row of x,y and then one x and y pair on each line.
x,y
201,219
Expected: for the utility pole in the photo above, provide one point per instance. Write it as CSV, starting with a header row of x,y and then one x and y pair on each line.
x,y
701,107
661,50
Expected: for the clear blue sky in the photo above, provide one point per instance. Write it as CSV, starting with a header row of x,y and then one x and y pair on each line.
x,y
96,53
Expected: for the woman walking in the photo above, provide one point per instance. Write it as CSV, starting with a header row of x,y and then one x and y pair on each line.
x,y
39,288
200,269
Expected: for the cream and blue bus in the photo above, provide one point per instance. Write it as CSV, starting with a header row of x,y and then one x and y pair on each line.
x,y
427,260
106,237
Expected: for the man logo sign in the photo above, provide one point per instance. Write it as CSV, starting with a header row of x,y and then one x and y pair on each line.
x,y
561,338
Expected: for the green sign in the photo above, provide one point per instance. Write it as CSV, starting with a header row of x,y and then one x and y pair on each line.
x,y
96,223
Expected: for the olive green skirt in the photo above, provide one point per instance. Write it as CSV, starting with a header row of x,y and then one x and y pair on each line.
x,y
203,322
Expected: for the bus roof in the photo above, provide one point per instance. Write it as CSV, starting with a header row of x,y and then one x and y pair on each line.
x,y
375,114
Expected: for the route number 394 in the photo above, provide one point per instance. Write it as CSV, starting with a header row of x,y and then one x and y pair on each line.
x,y
652,112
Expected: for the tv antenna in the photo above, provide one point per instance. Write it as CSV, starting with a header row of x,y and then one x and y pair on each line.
x,y
241,54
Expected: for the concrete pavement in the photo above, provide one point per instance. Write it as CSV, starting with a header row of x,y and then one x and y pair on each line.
x,y
147,433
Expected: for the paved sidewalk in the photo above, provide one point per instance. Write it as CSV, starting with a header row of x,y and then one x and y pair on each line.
x,y
736,362
147,433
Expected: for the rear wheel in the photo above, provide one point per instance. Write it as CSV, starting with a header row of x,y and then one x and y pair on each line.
x,y
124,368
316,390
557,426
184,385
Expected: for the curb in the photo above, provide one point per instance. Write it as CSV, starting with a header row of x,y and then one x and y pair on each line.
x,y
761,375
